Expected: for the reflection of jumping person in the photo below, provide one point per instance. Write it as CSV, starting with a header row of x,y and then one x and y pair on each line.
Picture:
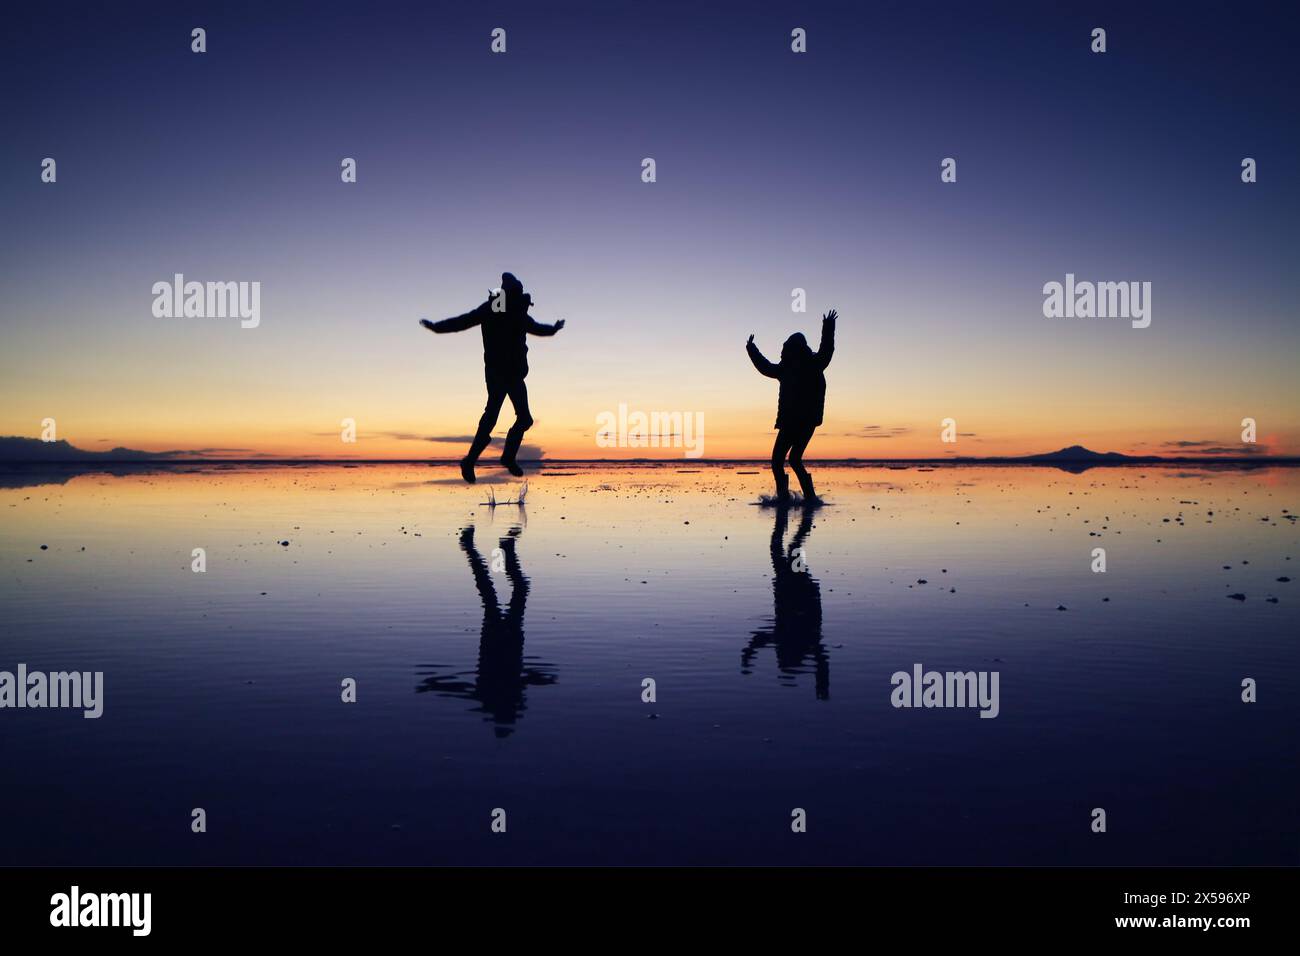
x,y
506,324
801,402
501,680
796,631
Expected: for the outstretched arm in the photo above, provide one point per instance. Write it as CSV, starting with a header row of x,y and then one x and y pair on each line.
x,y
760,362
541,328
457,323
827,348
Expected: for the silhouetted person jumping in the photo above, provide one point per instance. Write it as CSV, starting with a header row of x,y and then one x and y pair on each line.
x,y
506,324
801,402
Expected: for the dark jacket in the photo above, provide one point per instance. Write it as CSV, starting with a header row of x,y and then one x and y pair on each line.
x,y
505,349
801,374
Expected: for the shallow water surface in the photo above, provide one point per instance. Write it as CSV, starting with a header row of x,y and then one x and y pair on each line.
x,y
499,656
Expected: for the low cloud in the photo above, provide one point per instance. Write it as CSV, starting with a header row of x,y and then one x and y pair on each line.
x,y
1205,447
201,452
879,431
1242,451
526,452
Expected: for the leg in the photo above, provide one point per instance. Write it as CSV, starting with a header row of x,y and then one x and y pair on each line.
x,y
487,591
779,449
514,615
797,447
518,392
496,395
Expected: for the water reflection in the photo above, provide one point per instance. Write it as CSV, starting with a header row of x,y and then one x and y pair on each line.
x,y
498,685
796,631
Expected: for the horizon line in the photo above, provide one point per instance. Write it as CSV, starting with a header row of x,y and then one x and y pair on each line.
x,y
1041,458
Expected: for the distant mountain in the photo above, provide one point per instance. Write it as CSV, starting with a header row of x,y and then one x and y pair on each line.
x,y
34,450
1079,454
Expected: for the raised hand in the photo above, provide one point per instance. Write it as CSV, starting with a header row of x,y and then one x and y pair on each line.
x,y
750,341
832,315
559,325
427,324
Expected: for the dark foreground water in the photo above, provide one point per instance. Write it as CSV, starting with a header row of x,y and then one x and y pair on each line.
x,y
513,679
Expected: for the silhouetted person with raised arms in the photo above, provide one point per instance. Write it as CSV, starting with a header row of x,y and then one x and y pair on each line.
x,y
506,325
503,676
796,629
801,403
